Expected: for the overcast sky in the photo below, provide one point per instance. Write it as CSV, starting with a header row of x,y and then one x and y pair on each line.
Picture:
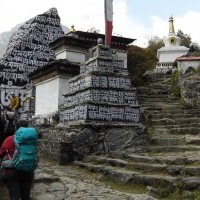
x,y
138,19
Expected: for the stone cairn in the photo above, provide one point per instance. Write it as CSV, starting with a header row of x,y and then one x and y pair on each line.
x,y
102,92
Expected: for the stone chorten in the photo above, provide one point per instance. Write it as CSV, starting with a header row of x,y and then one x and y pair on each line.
x,y
172,49
102,92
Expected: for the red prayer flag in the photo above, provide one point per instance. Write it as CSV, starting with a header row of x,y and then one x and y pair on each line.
x,y
108,21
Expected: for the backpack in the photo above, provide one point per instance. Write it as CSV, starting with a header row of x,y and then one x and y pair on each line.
x,y
25,156
10,124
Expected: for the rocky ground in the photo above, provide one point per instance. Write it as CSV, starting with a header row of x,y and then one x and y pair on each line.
x,y
55,182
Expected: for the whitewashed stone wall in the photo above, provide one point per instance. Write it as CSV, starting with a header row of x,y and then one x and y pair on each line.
x,y
49,93
183,65
72,55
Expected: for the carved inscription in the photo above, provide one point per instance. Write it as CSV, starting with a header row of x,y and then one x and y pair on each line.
x,y
105,65
28,48
132,114
101,113
119,97
97,65
99,81
6,91
101,51
101,97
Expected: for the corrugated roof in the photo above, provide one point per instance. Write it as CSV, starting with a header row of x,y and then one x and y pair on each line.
x,y
188,58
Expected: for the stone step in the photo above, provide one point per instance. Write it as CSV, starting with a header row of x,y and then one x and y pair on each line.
x,y
138,166
157,109
177,126
160,115
142,167
176,148
150,100
153,96
168,129
174,158
191,111
176,121
161,100
129,176
168,141
154,85
134,173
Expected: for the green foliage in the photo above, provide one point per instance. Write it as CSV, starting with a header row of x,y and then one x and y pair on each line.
x,y
197,195
198,69
175,87
186,104
151,131
194,49
186,40
139,61
154,44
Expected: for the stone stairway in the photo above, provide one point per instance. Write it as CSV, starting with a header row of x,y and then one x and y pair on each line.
x,y
171,164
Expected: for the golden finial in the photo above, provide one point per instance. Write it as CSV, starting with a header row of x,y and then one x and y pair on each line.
x,y
72,29
171,25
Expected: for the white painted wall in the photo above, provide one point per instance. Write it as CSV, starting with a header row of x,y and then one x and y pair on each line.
x,y
122,55
171,55
63,88
61,55
71,55
46,96
49,94
183,65
78,56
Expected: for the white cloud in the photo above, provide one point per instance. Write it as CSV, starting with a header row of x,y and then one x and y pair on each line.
x,y
189,24
85,14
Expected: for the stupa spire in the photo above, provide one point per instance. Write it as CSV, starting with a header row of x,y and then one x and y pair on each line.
x,y
171,25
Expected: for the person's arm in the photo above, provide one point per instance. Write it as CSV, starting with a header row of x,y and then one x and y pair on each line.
x,y
2,152
8,145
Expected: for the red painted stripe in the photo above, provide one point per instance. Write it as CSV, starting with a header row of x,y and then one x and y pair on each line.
x,y
109,28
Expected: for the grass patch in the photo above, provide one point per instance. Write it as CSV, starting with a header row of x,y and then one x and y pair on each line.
x,y
127,188
151,131
108,182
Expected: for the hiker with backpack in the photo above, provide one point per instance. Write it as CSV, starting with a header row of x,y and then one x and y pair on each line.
x,y
2,125
19,160
8,120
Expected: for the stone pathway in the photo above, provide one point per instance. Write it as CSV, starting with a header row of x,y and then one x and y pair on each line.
x,y
55,182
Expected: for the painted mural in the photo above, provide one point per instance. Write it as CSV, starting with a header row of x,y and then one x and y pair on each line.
x,y
28,49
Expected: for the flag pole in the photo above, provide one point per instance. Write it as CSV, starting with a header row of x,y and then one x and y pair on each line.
x,y
108,8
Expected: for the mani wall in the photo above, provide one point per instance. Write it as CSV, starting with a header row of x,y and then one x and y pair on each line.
x,y
28,49
99,114
101,92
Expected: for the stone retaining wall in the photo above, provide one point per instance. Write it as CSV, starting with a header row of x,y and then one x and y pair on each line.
x,y
67,143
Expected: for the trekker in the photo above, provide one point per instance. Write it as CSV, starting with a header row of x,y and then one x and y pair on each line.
x,y
19,182
2,125
8,120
